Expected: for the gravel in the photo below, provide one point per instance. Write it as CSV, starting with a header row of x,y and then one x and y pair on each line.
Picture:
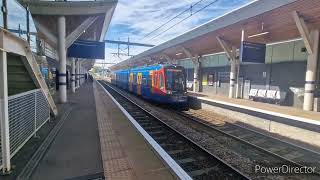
x,y
217,145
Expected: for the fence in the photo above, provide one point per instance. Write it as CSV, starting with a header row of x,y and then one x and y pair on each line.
x,y
28,111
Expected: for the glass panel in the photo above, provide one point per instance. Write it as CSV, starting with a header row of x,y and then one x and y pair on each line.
x,y
282,52
223,60
33,39
300,53
175,79
17,20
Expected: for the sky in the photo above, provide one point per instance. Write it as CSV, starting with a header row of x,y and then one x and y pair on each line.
x,y
145,21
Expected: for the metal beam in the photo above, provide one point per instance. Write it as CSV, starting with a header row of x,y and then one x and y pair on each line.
x,y
226,48
106,23
128,43
169,59
188,53
105,63
303,30
51,37
69,7
74,35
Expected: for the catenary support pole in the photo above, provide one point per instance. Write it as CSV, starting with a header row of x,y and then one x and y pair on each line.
x,y
73,72
5,139
62,59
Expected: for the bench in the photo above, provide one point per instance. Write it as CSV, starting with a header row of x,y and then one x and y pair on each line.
x,y
269,96
253,94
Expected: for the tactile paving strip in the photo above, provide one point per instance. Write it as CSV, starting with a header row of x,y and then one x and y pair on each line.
x,y
116,165
115,162
128,175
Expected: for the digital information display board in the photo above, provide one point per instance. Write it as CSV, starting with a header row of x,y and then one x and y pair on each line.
x,y
252,52
87,49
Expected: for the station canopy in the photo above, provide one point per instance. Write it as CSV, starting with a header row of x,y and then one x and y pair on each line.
x,y
85,20
273,15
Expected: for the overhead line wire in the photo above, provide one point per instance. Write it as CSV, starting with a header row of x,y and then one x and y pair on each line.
x,y
184,19
159,27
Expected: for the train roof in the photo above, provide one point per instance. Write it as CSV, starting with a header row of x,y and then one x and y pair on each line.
x,y
150,67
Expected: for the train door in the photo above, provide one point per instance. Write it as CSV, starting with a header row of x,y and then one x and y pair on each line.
x,y
139,82
161,81
130,82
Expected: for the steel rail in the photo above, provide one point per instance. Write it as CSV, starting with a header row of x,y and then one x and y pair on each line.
x,y
243,176
206,124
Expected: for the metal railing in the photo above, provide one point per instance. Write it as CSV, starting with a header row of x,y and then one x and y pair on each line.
x,y
28,111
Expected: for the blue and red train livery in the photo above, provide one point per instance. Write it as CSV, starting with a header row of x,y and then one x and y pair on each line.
x,y
161,83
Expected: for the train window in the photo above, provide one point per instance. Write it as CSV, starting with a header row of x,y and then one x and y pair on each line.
x,y
144,81
134,78
175,79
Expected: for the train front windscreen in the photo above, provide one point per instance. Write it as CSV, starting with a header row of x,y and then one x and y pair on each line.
x,y
175,80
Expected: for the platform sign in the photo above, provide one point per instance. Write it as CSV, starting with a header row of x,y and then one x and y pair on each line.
x,y
252,52
87,49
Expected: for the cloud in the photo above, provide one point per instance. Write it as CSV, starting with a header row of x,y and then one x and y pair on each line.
x,y
138,18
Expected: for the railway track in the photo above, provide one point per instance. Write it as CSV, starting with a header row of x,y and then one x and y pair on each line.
x,y
285,151
255,146
196,161
282,149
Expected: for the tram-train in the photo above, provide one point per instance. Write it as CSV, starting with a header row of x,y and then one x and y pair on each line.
x,y
160,83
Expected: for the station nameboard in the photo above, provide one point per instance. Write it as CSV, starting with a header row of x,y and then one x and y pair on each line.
x,y
252,52
87,49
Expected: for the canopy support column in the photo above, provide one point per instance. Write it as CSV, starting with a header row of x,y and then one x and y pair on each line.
x,y
196,61
73,72
4,120
231,54
311,42
62,59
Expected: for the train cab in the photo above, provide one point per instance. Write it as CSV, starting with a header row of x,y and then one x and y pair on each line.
x,y
175,84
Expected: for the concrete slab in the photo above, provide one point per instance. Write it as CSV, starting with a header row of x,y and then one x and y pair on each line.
x,y
132,157
76,150
284,111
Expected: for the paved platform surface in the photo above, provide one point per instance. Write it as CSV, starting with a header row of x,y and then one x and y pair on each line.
x,y
75,152
125,154
291,111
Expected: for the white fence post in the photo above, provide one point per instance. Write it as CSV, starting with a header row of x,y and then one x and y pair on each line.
x,y
5,139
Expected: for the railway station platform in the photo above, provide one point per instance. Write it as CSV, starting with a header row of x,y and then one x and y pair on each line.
x,y
92,139
272,109
293,123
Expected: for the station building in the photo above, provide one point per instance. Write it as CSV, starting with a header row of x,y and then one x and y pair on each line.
x,y
211,53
